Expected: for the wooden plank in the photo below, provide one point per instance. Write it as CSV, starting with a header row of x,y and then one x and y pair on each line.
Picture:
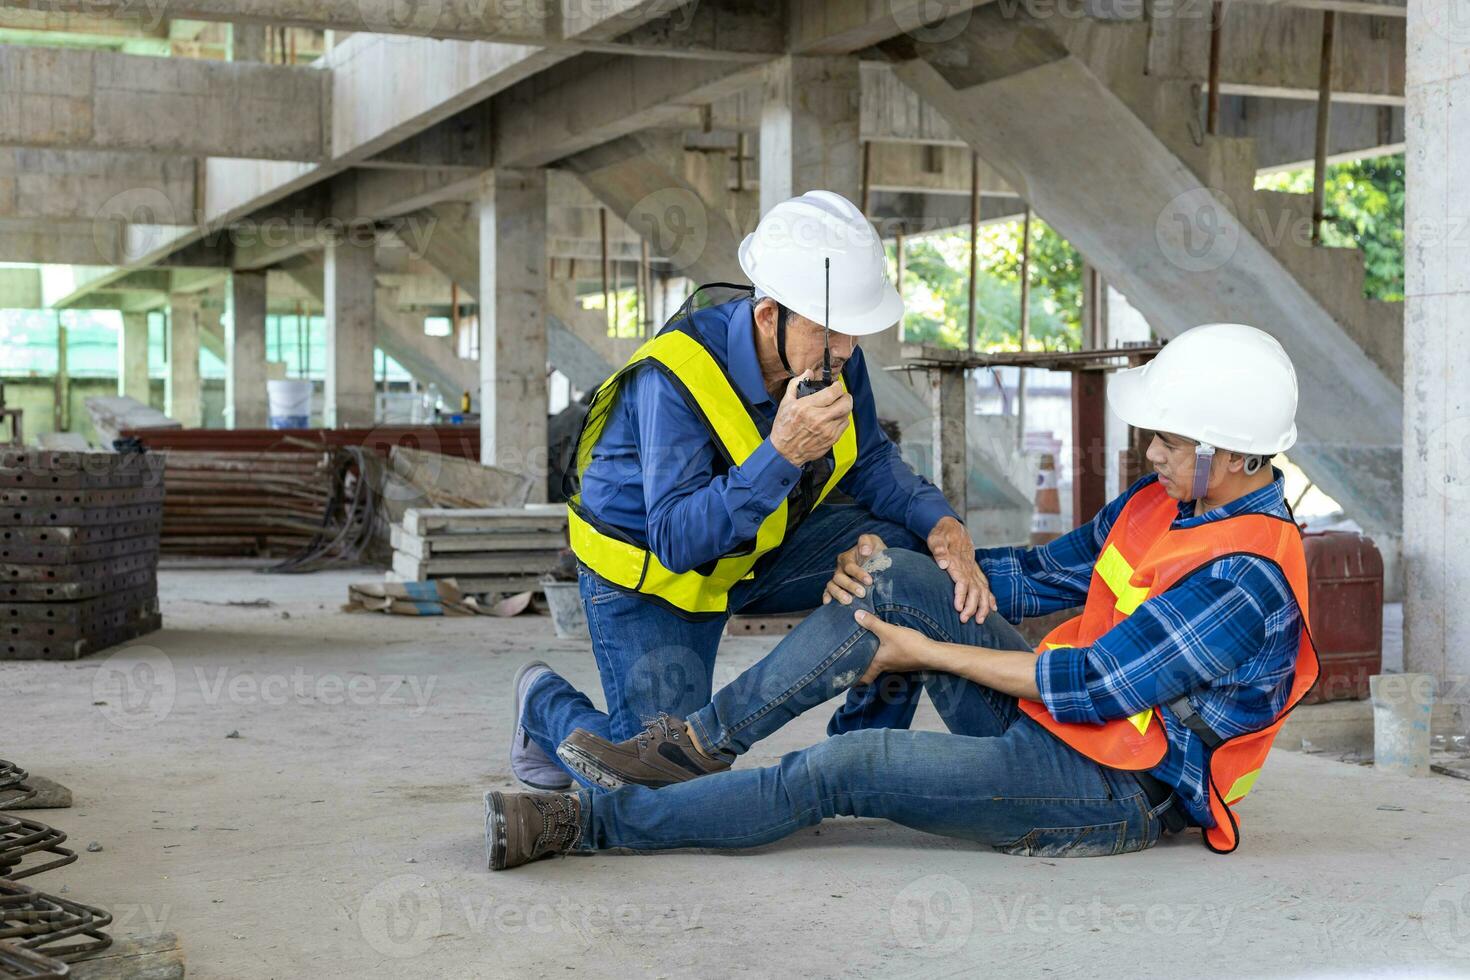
x,y
156,957
482,583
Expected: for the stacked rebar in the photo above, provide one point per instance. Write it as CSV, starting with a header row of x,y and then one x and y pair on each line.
x,y
243,503
78,551
39,933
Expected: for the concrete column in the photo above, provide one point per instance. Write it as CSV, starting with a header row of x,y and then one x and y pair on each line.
x,y
809,129
248,42
351,324
513,396
132,357
183,399
245,373
1436,465
810,141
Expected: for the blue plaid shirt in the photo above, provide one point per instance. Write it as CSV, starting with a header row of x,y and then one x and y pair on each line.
x,y
1227,635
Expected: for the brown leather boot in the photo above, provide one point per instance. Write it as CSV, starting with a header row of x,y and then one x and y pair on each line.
x,y
659,755
523,827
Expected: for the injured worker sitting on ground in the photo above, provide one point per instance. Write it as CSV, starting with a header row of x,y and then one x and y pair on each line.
x,y
1151,711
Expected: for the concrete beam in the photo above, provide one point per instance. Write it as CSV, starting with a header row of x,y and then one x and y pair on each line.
x,y
53,98
577,106
703,30
61,185
1284,130
647,194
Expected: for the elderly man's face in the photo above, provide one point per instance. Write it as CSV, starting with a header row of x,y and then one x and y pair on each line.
x,y
804,340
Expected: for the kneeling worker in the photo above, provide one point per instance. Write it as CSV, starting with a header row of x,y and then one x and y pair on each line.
x,y
703,470
1152,710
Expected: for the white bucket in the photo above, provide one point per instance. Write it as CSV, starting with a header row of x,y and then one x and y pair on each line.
x,y
568,618
290,403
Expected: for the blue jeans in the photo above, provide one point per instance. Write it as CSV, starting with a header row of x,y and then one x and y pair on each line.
x,y
997,777
652,660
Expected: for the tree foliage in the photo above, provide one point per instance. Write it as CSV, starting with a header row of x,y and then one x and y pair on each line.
x,y
936,292
1364,201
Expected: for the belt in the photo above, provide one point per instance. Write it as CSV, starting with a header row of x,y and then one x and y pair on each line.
x,y
1158,792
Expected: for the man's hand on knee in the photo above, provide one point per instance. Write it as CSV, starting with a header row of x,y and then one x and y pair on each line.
x,y
952,548
851,579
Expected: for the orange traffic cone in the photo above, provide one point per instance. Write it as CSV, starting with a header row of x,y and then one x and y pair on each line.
x,y
1046,522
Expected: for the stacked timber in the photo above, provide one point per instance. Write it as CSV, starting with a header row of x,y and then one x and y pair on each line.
x,y
495,549
243,503
78,551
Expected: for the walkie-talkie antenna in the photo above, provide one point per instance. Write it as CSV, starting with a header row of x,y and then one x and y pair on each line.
x,y
827,320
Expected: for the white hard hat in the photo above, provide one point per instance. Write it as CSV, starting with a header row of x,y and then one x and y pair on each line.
x,y
783,258
1226,385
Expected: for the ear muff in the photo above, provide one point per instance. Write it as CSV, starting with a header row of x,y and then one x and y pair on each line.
x,y
1204,459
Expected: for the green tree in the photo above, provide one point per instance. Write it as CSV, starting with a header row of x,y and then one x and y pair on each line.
x,y
1364,202
936,292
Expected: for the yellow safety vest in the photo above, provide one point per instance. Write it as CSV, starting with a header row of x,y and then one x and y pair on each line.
x,y
707,389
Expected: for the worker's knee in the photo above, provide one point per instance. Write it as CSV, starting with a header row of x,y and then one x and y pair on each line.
x,y
900,575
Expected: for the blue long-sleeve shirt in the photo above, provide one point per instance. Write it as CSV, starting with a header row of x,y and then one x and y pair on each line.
x,y
657,474
1227,636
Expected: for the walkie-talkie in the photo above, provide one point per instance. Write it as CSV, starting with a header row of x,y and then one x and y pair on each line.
x,y
806,387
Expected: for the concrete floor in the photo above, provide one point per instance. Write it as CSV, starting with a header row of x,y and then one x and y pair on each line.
x,y
339,835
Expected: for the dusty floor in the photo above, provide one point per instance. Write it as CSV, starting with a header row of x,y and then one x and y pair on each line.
x,y
339,835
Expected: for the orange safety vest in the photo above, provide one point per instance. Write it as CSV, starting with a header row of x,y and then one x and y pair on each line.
x,y
1145,555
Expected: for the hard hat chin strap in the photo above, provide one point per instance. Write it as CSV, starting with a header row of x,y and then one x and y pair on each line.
x,y
1204,460
781,313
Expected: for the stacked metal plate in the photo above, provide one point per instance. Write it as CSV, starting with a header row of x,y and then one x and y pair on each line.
x,y
78,551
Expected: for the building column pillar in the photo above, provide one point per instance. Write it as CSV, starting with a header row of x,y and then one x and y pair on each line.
x,y
1436,462
351,298
513,395
810,140
245,372
132,357
183,397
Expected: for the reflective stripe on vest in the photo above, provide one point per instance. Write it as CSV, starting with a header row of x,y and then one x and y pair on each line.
x,y
1144,555
708,391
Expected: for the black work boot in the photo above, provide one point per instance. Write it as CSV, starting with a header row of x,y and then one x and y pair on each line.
x,y
659,755
522,827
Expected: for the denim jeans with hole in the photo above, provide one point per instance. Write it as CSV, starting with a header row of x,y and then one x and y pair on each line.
x,y
652,660
996,777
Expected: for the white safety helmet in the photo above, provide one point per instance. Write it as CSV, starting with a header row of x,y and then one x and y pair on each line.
x,y
784,259
1225,385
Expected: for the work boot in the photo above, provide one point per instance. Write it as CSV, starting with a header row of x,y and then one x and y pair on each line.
x,y
524,827
529,763
659,755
